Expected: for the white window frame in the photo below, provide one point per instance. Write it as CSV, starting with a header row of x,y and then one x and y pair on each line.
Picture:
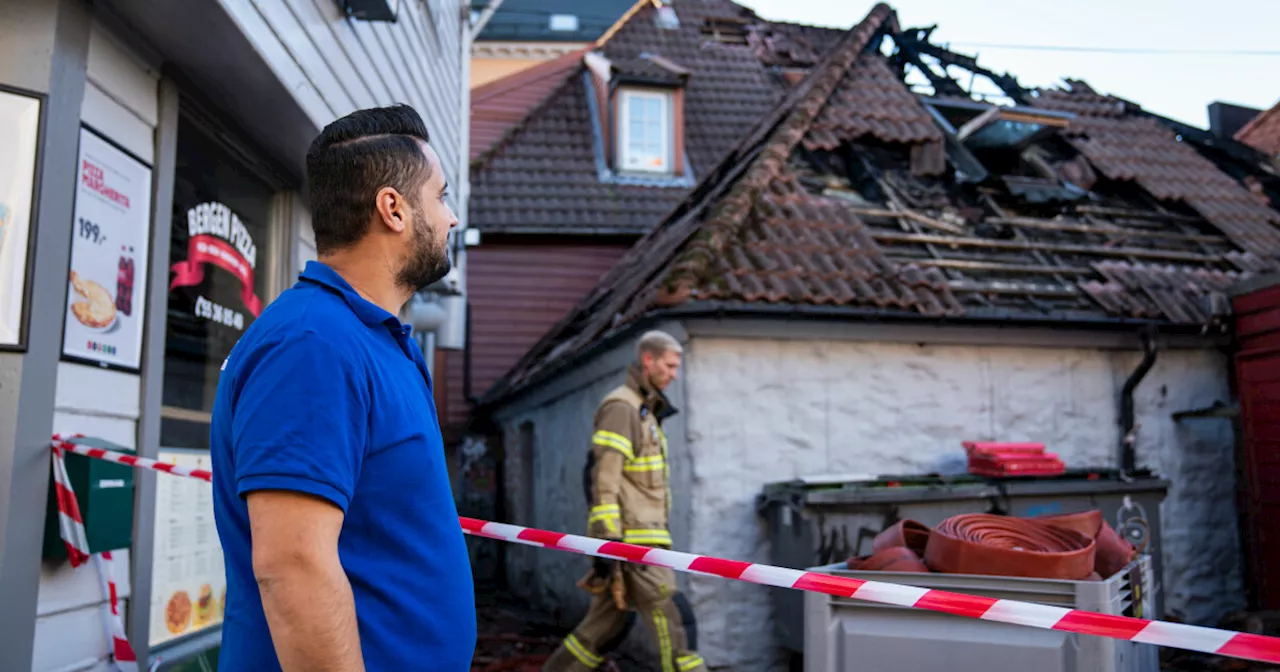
x,y
667,100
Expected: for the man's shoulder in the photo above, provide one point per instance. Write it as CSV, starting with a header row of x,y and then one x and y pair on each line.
x,y
296,322
621,394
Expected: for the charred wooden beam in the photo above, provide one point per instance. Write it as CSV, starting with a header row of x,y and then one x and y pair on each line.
x,y
1019,288
1031,246
993,266
1118,232
911,215
1104,211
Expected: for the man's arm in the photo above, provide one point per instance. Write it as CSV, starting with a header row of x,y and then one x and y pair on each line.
x,y
612,446
299,428
305,593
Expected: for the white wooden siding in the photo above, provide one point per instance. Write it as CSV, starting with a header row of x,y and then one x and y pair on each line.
x,y
335,65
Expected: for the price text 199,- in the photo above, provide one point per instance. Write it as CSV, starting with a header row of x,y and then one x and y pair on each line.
x,y
90,231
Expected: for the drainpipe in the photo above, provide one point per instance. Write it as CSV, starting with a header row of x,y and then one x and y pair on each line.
x,y
1128,424
467,391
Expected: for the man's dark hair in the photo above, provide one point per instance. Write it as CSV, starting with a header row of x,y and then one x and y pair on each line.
x,y
352,159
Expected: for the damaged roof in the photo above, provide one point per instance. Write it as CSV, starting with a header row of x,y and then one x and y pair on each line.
x,y
542,173
857,196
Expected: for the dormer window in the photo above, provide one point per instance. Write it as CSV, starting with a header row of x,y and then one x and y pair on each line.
x,y
645,131
637,119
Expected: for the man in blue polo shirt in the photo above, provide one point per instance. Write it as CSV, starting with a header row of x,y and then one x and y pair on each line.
x,y
332,501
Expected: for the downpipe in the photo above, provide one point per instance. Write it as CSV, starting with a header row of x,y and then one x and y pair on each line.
x,y
1128,422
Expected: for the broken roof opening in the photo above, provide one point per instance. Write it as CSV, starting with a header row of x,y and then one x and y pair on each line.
x,y
726,30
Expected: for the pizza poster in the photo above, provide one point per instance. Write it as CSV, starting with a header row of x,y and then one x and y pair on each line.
x,y
107,279
188,578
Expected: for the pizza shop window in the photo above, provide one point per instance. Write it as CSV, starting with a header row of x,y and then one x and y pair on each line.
x,y
645,135
219,277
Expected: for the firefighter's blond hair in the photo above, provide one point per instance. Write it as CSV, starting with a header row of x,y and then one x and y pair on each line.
x,y
657,343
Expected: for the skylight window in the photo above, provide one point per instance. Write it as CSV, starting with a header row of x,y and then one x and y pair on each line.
x,y
645,131
1005,127
564,22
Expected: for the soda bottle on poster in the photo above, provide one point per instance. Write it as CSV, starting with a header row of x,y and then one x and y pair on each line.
x,y
124,281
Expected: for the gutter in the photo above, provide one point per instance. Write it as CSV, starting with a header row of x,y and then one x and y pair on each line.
x,y
722,309
1128,423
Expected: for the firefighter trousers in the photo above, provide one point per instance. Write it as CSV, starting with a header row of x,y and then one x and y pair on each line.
x,y
651,591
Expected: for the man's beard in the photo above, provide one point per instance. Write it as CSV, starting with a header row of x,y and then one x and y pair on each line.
x,y
426,263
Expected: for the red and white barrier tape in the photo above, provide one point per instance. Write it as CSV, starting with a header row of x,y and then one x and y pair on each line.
x,y
1161,633
70,524
121,650
71,527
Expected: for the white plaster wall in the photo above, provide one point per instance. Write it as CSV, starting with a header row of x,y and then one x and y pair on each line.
x,y
762,411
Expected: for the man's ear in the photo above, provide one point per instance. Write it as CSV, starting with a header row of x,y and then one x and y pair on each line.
x,y
391,208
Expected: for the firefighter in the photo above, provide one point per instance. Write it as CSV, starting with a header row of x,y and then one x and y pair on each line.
x,y
627,483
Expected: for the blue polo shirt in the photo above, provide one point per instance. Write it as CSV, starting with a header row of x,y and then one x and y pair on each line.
x,y
327,394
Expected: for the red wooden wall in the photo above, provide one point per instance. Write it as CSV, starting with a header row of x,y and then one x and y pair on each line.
x,y
1258,384
518,287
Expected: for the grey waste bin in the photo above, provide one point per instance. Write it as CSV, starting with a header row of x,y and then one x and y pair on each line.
x,y
848,635
818,521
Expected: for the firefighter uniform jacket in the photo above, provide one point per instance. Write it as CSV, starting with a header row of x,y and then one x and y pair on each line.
x,y
627,478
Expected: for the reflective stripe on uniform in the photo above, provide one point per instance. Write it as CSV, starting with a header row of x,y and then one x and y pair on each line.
x,y
647,537
615,441
689,662
609,514
661,628
650,463
666,472
580,652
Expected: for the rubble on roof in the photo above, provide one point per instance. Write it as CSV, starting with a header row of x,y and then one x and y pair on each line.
x,y
858,193
1126,145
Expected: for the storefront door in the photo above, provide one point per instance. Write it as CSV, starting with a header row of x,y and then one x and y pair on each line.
x,y
222,213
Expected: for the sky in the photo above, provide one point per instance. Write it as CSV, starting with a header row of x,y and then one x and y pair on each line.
x,y
1195,49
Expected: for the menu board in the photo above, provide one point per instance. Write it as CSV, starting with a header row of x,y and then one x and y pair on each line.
x,y
106,299
188,580
19,127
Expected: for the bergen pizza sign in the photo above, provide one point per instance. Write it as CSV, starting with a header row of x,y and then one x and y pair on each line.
x,y
218,237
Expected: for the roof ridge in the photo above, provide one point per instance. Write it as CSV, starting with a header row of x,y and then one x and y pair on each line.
x,y
622,21
816,91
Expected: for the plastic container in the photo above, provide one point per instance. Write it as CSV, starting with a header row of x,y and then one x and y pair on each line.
x,y
821,520
849,635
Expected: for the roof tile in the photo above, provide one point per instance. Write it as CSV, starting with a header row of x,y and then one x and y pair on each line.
x,y
1126,145
497,107
779,221
1263,132
542,174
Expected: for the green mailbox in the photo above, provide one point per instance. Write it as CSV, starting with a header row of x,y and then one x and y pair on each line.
x,y
104,491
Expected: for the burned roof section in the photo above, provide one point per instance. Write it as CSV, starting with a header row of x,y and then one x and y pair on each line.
x,y
860,195
1126,144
